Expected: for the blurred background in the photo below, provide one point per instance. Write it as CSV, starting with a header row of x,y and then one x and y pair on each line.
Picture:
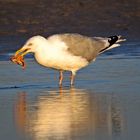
x,y
90,17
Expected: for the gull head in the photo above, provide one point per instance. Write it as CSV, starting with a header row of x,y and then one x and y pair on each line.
x,y
32,45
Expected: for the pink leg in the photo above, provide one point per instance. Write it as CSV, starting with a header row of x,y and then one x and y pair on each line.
x,y
60,78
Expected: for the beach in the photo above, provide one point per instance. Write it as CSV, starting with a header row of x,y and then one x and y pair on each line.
x,y
104,102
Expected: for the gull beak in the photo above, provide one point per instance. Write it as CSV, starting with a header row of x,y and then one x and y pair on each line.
x,y
23,51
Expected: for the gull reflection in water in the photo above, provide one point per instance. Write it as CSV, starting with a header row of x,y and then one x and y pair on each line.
x,y
68,114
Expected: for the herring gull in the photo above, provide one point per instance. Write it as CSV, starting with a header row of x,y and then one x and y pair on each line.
x,y
66,52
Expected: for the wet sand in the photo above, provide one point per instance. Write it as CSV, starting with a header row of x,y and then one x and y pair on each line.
x,y
103,104
93,18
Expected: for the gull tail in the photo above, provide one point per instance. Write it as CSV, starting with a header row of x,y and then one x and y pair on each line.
x,y
112,42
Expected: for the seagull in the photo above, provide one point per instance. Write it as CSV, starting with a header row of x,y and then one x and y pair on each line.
x,y
67,51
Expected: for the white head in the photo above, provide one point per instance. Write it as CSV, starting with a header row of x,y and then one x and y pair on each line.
x,y
32,45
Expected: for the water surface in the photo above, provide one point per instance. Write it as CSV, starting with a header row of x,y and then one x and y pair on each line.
x,y
103,104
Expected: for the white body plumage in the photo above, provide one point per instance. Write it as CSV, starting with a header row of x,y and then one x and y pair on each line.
x,y
68,52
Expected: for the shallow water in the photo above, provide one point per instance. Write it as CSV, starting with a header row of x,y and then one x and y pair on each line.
x,y
40,114
62,114
103,105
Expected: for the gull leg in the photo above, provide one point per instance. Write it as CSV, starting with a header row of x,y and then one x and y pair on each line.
x,y
60,78
72,78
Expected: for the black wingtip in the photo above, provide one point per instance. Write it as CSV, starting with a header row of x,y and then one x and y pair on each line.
x,y
112,39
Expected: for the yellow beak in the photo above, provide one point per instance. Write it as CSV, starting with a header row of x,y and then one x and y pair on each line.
x,y
21,52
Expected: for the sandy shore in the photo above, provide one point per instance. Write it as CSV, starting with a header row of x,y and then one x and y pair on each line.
x,y
93,18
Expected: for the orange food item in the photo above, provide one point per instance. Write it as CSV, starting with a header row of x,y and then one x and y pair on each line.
x,y
18,59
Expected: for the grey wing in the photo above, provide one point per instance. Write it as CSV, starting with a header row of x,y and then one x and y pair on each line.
x,y
83,46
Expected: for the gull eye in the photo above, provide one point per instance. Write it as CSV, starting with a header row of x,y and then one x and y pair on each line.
x,y
30,44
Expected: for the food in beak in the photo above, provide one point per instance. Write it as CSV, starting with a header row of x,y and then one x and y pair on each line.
x,y
18,59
